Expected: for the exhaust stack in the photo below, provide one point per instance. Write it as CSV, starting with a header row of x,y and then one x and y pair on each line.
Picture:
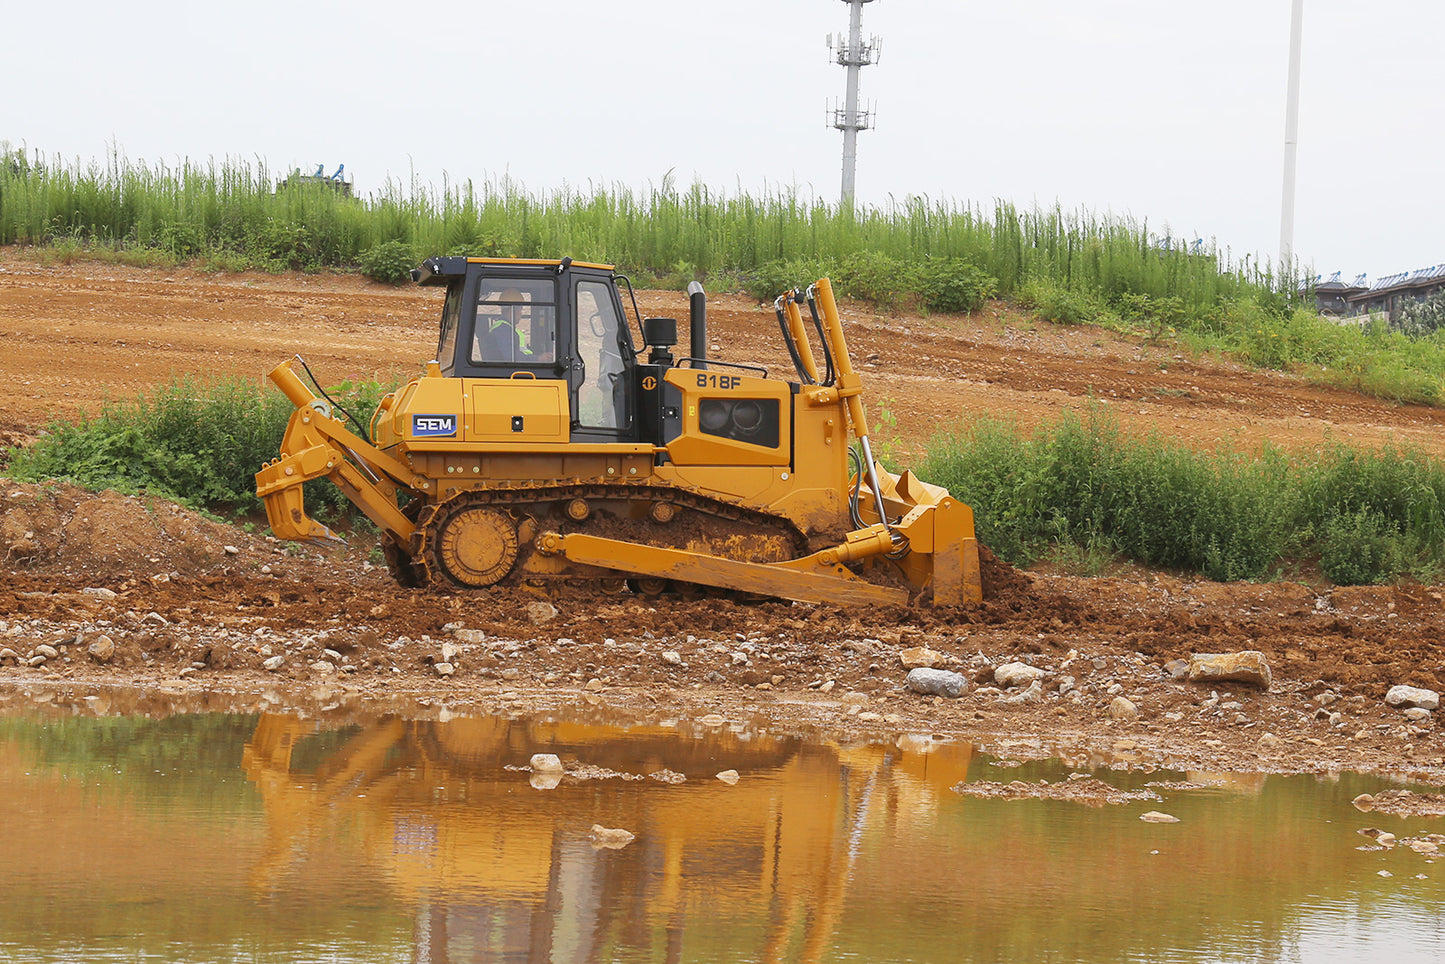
x,y
697,321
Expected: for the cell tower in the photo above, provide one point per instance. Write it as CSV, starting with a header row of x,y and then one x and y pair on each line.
x,y
853,54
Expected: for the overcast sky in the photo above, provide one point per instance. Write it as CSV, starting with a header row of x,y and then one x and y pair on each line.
x,y
1167,111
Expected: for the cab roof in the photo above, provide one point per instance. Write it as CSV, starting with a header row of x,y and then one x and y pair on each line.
x,y
440,270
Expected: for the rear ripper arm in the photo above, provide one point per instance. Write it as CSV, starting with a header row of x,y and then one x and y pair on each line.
x,y
317,445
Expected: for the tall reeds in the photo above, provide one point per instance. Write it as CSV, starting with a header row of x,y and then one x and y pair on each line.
x,y
233,213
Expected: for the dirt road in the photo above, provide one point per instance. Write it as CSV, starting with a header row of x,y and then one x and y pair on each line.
x,y
191,605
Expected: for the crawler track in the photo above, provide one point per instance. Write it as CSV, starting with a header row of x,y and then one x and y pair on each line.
x,y
629,512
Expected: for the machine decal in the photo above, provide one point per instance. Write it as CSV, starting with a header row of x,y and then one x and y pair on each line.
x,y
706,380
649,383
434,426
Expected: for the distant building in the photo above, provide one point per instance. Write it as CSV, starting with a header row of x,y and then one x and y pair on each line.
x,y
1391,293
1332,296
1386,296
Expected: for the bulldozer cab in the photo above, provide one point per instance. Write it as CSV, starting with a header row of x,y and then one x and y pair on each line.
x,y
545,320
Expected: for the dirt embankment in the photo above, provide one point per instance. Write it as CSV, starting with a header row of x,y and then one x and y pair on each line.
x,y
188,604
83,334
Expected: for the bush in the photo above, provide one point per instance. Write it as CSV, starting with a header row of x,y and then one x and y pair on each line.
x,y
1158,316
286,244
771,279
1360,548
1064,306
1080,488
877,278
200,445
389,262
182,239
952,285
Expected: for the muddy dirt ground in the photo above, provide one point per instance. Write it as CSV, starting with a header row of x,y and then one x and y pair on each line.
x,y
101,591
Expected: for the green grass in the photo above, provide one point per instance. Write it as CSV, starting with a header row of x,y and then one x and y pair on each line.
x,y
232,213
1079,488
197,443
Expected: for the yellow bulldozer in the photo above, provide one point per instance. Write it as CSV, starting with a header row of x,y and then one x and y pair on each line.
x,y
544,447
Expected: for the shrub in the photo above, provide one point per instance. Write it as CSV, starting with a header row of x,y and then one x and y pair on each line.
x,y
182,239
1078,488
1064,306
1360,548
389,262
1158,316
885,281
953,285
286,244
771,279
198,444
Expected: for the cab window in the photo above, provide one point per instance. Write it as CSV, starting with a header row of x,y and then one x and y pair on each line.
x,y
602,394
451,316
516,322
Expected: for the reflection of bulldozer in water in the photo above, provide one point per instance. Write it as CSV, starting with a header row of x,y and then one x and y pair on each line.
x,y
493,868
547,446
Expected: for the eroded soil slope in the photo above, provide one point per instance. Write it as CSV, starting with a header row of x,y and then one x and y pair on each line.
x,y
82,334
191,604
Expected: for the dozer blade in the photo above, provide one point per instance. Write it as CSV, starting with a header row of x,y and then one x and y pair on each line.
x,y
943,556
817,585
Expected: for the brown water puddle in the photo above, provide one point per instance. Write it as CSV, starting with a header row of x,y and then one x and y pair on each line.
x,y
147,825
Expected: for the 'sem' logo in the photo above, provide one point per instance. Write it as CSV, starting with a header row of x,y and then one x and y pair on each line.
x,y
433,425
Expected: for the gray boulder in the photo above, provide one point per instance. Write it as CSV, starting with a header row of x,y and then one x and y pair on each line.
x,y
1403,697
937,682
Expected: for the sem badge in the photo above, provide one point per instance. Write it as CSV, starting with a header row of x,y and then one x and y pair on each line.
x,y
433,425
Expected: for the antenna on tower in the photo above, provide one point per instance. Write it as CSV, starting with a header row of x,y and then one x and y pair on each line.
x,y
850,118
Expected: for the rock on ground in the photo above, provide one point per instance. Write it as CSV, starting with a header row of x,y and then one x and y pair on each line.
x,y
1033,693
541,612
937,682
1017,674
1409,696
1246,666
1123,708
101,649
920,656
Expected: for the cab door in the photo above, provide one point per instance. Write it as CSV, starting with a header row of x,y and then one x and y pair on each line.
x,y
602,363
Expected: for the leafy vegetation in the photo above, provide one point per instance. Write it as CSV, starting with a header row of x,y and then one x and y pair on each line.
x,y
389,262
233,214
1421,319
1081,489
200,444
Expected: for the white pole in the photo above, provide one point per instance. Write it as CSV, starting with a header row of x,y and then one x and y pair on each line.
x,y
850,103
1291,145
